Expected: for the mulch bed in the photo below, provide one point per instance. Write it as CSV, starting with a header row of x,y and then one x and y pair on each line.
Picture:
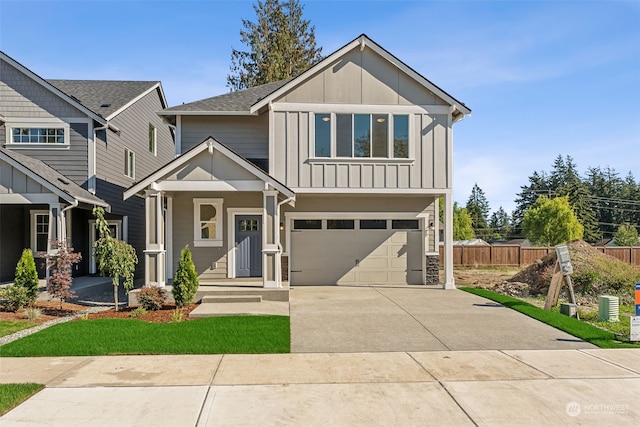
x,y
164,315
50,310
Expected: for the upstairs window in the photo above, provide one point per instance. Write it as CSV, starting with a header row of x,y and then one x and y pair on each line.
x,y
38,136
41,133
362,135
152,140
129,163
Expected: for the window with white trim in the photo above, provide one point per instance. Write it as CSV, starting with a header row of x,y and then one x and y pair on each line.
x,y
207,222
362,135
129,163
42,134
39,231
152,139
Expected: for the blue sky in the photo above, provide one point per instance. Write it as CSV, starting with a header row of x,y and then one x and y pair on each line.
x,y
542,78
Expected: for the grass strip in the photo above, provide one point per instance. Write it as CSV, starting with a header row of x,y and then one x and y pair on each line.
x,y
214,335
11,395
8,327
575,327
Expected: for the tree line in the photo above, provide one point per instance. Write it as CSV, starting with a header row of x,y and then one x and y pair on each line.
x,y
599,205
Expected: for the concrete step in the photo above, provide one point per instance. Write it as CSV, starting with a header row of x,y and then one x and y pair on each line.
x,y
213,299
273,308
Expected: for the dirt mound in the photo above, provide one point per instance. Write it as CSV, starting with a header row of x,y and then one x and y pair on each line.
x,y
594,273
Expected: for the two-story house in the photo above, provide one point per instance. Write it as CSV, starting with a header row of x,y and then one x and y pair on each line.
x,y
67,146
332,177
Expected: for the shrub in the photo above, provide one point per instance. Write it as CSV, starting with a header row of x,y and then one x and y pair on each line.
x,y
151,297
27,275
13,297
177,316
138,312
185,282
33,313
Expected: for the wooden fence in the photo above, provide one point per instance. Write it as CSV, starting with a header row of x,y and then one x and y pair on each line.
x,y
519,256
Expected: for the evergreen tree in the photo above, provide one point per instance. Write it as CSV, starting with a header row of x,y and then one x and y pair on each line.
x,y
538,185
582,203
27,275
500,223
281,45
478,209
185,282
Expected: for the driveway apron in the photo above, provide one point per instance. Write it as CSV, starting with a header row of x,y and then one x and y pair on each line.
x,y
343,319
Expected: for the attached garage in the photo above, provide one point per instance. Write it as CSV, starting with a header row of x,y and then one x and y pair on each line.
x,y
356,251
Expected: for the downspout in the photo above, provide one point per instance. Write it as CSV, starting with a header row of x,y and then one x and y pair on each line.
x,y
92,179
63,220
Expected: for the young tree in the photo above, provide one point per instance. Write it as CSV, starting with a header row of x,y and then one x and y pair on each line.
x,y
114,257
550,222
538,185
462,229
478,209
281,45
27,275
60,264
185,282
627,235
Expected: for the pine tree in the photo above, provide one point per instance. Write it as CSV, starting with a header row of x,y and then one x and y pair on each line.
x,y
478,209
281,45
538,185
27,275
185,282
500,223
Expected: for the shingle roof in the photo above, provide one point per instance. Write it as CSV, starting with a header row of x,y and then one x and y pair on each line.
x,y
241,100
54,178
103,96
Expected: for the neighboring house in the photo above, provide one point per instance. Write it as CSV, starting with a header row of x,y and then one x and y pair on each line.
x,y
70,145
332,177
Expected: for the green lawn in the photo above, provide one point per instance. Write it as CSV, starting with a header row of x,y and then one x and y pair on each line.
x,y
214,335
11,395
8,327
575,327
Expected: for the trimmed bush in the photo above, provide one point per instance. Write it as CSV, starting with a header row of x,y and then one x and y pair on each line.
x,y
185,282
13,298
27,275
151,297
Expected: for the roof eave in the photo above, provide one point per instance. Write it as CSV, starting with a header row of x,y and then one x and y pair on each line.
x,y
205,113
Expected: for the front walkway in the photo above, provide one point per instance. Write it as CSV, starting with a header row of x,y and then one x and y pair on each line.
x,y
412,318
494,388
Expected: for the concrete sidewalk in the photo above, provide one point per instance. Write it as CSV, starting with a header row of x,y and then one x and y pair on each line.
x,y
497,388
342,319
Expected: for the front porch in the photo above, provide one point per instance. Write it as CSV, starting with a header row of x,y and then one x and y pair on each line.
x,y
234,297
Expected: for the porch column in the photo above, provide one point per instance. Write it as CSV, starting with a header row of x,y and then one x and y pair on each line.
x,y
449,282
155,254
55,223
271,276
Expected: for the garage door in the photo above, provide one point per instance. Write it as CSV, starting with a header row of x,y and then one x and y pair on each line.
x,y
355,252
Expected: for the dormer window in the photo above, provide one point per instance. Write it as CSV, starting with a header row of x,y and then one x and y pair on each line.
x,y
362,135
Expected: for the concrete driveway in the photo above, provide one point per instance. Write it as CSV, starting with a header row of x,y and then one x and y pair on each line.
x,y
342,319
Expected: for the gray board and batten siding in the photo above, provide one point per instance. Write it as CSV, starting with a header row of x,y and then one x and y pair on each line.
x,y
361,78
